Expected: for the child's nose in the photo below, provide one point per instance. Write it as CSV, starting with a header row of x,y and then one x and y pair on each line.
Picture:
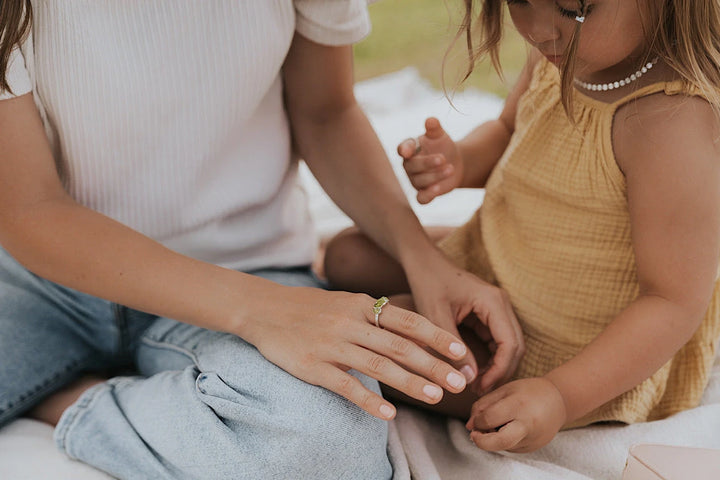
x,y
543,34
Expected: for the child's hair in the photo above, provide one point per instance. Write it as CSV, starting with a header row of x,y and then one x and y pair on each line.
x,y
686,37
15,21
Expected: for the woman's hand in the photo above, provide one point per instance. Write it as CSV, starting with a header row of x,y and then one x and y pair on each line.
x,y
521,416
435,166
450,296
318,336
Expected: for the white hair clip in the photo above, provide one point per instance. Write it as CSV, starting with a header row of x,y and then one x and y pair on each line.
x,y
580,19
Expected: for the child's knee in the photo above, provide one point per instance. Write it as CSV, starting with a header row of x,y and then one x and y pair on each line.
x,y
343,255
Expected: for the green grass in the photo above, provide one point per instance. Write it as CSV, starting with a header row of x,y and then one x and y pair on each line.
x,y
418,33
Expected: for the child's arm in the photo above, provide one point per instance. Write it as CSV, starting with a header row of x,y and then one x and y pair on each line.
x,y
667,148
441,164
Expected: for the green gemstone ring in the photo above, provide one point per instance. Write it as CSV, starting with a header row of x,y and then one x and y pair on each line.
x,y
377,308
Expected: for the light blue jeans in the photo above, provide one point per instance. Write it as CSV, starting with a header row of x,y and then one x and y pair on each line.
x,y
205,404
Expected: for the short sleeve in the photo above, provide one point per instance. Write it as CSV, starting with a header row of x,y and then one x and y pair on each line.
x,y
17,76
332,22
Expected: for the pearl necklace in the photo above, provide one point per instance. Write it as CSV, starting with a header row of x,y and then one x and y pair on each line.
x,y
620,83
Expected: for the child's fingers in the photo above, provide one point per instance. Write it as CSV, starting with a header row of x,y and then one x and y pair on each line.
x,y
487,400
426,195
433,129
494,416
408,148
423,180
440,188
504,439
423,163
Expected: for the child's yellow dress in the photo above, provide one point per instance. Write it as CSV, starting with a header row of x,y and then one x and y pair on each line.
x,y
556,235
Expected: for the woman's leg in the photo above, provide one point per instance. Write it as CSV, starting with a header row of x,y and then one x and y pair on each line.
x,y
214,407
49,336
355,263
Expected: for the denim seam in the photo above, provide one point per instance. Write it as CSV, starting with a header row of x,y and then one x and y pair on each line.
x,y
40,389
170,346
119,314
71,417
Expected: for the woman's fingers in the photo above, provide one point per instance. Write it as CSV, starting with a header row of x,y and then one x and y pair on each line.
x,y
421,330
347,386
507,336
385,370
409,355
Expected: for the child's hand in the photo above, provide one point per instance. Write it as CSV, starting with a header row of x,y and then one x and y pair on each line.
x,y
436,167
527,413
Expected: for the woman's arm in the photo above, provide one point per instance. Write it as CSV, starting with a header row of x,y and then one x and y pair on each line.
x,y
58,239
313,334
667,147
337,142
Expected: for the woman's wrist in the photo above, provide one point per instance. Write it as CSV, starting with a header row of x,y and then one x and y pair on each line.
x,y
241,301
421,259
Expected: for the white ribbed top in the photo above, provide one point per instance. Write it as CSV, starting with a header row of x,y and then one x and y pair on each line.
x,y
167,116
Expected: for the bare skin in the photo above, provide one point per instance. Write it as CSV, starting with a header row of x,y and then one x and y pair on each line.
x,y
51,409
456,405
354,252
56,238
666,147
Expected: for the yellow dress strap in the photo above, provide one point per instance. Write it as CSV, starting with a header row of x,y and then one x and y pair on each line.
x,y
675,87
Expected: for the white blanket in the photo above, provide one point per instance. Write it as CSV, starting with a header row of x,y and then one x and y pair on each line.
x,y
423,446
435,448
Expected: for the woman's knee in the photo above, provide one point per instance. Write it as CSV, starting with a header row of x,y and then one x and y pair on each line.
x,y
299,430
337,438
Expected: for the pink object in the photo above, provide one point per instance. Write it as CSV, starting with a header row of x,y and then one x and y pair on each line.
x,y
665,462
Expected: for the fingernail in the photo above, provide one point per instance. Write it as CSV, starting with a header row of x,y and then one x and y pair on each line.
x,y
386,411
432,391
457,349
469,373
455,380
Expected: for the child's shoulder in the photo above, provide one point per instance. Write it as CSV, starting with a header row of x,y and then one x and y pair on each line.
x,y
668,122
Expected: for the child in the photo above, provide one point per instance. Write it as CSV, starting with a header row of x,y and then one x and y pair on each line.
x,y
601,219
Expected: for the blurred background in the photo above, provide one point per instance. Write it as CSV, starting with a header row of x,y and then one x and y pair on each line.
x,y
418,33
